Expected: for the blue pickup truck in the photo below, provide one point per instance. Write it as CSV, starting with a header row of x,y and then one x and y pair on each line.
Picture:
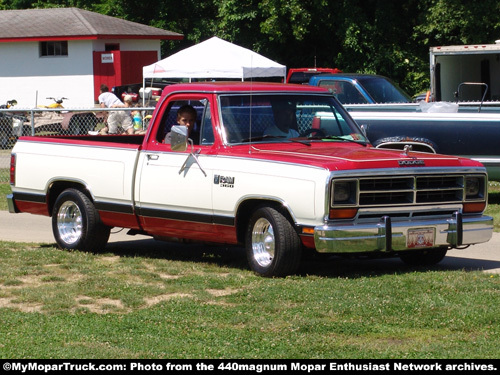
x,y
354,88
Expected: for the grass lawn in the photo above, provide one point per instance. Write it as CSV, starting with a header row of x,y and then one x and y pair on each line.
x,y
189,302
186,301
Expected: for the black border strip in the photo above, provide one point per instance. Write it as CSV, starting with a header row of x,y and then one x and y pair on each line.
x,y
145,212
186,216
28,197
114,207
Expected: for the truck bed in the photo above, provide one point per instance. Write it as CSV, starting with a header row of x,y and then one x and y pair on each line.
x,y
135,139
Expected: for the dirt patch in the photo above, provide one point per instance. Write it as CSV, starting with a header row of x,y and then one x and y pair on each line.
x,y
100,305
222,292
167,276
24,307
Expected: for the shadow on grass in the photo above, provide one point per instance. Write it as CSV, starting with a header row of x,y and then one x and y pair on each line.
x,y
227,256
494,197
319,265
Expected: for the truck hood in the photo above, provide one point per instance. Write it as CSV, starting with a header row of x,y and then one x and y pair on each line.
x,y
347,156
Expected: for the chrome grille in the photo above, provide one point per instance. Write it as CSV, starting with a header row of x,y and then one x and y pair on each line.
x,y
401,190
437,189
370,198
410,190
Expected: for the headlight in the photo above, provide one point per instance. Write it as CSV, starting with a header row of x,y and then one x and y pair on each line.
x,y
474,187
344,192
341,192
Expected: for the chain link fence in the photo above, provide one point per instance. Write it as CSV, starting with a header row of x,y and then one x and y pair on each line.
x,y
43,122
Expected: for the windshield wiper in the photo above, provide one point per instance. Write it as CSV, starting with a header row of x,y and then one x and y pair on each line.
x,y
261,138
339,138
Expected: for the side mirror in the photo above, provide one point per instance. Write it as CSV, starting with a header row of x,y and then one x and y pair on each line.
x,y
179,142
179,138
363,130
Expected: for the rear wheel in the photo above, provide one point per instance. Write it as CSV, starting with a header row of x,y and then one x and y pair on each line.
x,y
273,246
76,224
427,257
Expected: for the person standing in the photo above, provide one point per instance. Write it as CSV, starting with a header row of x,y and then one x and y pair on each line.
x,y
115,119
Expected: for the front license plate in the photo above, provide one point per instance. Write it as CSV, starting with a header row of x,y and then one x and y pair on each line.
x,y
423,237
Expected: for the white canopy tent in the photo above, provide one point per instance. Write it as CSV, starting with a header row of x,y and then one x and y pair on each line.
x,y
215,58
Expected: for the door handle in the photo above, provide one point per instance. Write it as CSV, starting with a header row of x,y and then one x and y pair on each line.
x,y
153,157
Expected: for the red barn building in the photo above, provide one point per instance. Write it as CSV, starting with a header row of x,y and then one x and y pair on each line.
x,y
69,52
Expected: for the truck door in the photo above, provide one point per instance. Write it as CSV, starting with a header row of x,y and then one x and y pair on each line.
x,y
173,202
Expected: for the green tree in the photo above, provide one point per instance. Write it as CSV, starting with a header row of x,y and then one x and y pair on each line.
x,y
447,22
386,37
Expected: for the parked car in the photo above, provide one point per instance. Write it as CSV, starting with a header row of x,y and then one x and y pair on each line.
x,y
302,75
354,88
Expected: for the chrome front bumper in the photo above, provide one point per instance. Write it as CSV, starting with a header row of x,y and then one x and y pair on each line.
x,y
390,235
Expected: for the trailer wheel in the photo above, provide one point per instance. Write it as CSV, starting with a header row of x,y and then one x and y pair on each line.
x,y
273,246
76,224
427,257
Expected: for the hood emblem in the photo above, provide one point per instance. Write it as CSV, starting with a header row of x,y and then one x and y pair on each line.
x,y
407,149
411,163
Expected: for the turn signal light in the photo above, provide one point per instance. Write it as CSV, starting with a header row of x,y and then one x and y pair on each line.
x,y
343,213
474,207
306,230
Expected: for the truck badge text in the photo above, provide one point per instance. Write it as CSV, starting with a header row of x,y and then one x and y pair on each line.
x,y
224,181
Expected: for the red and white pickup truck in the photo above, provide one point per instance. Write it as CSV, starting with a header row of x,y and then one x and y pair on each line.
x,y
276,167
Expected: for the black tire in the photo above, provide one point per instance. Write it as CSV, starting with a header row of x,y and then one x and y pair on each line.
x,y
273,247
76,223
427,257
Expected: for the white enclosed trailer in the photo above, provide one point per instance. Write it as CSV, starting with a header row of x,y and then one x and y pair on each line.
x,y
475,65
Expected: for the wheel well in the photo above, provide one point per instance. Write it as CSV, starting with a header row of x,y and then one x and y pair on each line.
x,y
58,187
246,209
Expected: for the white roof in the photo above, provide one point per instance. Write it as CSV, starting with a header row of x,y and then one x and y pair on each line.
x,y
215,58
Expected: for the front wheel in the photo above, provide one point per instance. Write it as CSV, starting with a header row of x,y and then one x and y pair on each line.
x,y
76,224
273,246
424,257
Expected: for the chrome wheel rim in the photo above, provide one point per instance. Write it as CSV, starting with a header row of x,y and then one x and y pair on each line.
x,y
263,242
69,222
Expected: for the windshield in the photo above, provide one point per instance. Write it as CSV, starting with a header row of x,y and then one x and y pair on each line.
x,y
301,77
382,90
276,117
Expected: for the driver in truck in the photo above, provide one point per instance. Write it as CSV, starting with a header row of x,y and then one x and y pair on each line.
x,y
285,120
186,115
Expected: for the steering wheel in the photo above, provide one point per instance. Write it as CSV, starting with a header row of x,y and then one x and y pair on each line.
x,y
308,132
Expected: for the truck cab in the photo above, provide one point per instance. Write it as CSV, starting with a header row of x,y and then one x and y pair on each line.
x,y
302,75
353,88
